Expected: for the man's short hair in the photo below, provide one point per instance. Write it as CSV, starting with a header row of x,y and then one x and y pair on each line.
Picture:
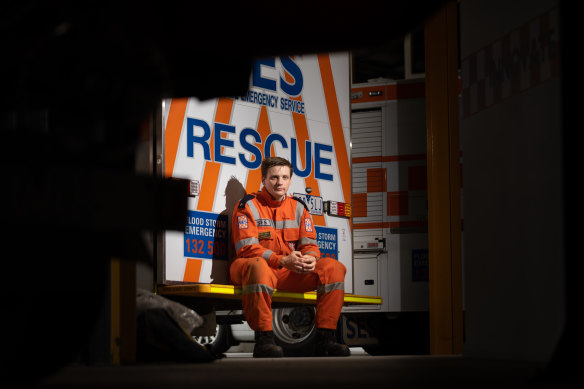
x,y
268,163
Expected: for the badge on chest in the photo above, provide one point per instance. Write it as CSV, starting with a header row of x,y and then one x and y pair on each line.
x,y
264,235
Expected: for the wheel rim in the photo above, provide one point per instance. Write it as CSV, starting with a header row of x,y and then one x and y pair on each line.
x,y
293,325
207,339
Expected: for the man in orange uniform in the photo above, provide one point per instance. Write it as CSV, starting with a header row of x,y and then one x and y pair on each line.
x,y
276,248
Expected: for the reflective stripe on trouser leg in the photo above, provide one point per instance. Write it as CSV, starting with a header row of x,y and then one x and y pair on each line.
x,y
258,282
257,306
330,294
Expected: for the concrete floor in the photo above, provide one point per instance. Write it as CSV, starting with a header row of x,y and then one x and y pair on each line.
x,y
360,370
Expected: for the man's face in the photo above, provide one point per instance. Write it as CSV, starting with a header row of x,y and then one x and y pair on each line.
x,y
277,181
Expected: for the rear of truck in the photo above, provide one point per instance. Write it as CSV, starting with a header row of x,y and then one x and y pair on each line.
x,y
390,217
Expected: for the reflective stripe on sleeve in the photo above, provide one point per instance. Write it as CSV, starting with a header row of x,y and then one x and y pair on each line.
x,y
299,212
330,287
313,254
253,209
256,288
305,240
245,242
267,254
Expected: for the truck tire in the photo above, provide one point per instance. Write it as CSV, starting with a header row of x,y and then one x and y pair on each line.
x,y
294,330
218,343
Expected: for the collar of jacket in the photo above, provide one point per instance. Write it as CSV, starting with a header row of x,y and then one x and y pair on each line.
x,y
267,198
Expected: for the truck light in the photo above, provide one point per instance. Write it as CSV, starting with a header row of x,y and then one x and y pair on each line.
x,y
336,208
194,188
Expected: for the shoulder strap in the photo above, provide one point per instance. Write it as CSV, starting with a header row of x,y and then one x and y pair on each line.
x,y
245,199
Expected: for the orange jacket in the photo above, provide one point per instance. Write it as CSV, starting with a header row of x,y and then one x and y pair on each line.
x,y
263,227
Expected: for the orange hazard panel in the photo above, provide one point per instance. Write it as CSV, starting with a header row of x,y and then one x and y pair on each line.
x,y
212,169
332,106
360,205
254,177
192,270
176,115
376,180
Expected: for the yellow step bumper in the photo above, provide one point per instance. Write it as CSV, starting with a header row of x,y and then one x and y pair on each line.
x,y
234,292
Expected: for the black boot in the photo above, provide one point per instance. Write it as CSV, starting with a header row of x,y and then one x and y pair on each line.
x,y
326,344
265,346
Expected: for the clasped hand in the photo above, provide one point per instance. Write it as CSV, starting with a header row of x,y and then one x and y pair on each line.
x,y
299,263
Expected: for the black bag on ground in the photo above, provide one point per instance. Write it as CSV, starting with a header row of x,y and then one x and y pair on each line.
x,y
160,339
163,331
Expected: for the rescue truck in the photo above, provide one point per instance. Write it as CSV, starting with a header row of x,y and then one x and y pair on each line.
x,y
363,181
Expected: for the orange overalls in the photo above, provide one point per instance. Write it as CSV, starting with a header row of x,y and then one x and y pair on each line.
x,y
264,231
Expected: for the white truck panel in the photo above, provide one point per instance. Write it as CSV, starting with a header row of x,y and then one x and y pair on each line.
x,y
221,141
